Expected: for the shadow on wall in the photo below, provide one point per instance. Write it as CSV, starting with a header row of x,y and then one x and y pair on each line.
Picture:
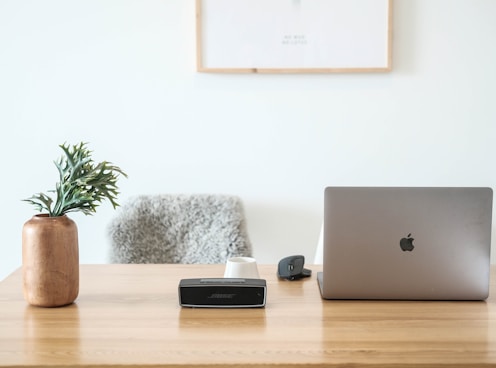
x,y
277,231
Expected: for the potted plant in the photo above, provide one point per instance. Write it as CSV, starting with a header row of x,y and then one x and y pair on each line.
x,y
50,250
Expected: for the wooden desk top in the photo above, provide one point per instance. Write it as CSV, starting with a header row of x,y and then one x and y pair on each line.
x,y
128,315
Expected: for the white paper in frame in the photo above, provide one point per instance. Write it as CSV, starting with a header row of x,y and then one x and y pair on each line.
x,y
294,36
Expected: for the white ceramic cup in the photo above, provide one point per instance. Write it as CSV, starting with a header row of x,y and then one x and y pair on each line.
x,y
241,267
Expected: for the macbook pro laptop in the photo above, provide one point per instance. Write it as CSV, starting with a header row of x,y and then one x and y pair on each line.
x,y
406,243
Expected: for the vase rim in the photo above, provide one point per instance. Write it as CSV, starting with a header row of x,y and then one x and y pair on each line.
x,y
47,215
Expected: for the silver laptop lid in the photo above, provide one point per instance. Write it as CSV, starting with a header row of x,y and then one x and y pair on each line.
x,y
406,243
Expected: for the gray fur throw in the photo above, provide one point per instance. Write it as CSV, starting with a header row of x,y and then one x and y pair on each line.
x,y
198,228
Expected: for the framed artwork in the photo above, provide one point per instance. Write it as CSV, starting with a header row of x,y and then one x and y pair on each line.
x,y
293,36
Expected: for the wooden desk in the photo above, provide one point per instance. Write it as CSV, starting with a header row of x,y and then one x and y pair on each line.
x,y
128,315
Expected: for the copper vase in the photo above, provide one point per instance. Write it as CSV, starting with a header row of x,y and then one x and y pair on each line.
x,y
50,261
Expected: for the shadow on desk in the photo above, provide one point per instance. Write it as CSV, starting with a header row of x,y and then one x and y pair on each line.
x,y
245,319
47,334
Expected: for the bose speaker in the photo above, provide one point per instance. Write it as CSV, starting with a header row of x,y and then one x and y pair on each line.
x,y
222,293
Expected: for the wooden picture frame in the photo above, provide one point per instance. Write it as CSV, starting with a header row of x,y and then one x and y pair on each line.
x,y
293,36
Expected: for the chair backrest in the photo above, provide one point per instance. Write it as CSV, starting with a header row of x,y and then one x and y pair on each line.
x,y
197,228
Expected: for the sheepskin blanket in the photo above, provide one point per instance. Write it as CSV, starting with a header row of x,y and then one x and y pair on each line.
x,y
197,228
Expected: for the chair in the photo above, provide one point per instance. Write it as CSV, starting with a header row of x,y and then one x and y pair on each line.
x,y
198,228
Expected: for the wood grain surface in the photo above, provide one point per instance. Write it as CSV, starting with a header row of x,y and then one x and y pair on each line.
x,y
129,316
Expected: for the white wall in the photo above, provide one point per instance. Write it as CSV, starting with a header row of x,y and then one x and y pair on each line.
x,y
120,74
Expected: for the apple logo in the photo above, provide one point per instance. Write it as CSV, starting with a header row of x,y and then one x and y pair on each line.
x,y
406,244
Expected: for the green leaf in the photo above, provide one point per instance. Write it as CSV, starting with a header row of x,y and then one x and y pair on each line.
x,y
82,186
